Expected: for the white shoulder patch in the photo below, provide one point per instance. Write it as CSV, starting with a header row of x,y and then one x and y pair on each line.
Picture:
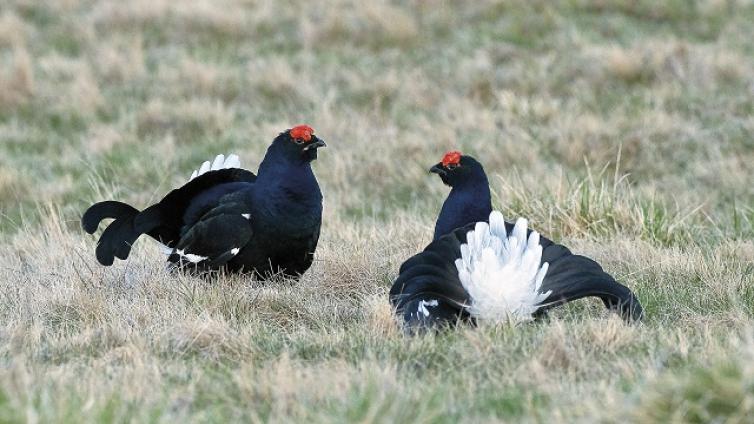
x,y
190,256
502,273
234,251
422,309
220,162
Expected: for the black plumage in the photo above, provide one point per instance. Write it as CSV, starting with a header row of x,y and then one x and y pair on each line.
x,y
428,291
432,277
230,218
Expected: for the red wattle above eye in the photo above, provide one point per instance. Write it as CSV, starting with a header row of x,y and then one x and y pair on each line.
x,y
451,158
303,132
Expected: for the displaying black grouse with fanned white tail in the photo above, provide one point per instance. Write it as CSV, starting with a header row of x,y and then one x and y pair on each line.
x,y
228,218
479,267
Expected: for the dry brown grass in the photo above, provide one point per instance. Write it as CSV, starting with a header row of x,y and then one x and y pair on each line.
x,y
620,128
16,79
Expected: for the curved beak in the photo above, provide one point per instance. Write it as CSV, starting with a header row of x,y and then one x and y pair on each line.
x,y
316,144
438,169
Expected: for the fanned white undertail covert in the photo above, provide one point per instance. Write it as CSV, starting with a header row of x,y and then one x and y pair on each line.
x,y
501,272
220,162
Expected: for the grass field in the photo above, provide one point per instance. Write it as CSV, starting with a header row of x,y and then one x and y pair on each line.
x,y
623,129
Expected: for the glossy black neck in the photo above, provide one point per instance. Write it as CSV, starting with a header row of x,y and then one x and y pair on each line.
x,y
287,188
468,201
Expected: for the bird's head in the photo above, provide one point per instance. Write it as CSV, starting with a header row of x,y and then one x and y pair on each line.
x,y
469,200
456,169
299,143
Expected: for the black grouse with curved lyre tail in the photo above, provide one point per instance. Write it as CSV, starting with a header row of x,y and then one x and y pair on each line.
x,y
228,218
431,289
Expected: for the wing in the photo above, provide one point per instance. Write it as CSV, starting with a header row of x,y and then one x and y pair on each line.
x,y
165,220
574,277
218,236
428,291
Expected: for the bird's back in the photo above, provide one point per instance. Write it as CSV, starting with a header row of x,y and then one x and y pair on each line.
x,y
433,275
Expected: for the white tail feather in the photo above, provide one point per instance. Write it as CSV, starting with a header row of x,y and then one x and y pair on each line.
x,y
220,162
501,272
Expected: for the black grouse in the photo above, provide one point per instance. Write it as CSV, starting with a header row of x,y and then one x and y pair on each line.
x,y
479,267
228,218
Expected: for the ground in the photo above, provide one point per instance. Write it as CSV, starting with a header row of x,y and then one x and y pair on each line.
x,y
620,128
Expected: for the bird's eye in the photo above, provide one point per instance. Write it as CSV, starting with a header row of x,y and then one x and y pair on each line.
x,y
452,166
298,141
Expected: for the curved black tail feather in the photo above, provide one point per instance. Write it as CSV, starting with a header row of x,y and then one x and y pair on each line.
x,y
103,210
120,235
162,221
